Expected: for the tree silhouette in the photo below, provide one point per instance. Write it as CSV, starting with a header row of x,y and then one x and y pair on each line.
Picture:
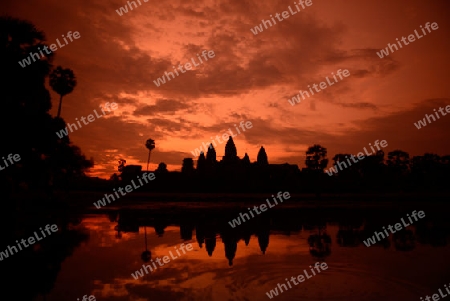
x,y
349,172
316,158
162,168
398,166
122,163
62,82
45,159
373,171
342,158
426,170
114,178
398,160
427,164
150,145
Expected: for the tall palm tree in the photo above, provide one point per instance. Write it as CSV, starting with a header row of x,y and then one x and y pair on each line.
x,y
62,82
150,145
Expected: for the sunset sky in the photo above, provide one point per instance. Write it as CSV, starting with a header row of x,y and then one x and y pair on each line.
x,y
251,77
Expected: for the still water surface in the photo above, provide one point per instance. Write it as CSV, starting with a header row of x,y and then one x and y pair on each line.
x,y
246,262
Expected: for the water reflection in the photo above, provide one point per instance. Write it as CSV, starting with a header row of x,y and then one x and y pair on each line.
x,y
351,232
319,245
263,250
146,255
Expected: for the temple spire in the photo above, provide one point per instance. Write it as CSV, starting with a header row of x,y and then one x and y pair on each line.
x,y
230,151
262,157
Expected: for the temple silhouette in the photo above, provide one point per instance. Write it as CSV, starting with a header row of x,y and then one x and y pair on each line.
x,y
208,174
231,173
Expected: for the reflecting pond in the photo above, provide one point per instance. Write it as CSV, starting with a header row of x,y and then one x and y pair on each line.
x,y
249,260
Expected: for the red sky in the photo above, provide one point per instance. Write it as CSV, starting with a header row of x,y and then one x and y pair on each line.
x,y
250,78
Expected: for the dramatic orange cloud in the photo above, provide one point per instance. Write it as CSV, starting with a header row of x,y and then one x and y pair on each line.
x,y
251,77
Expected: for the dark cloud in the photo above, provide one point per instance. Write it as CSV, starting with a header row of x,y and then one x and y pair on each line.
x,y
166,125
167,106
359,105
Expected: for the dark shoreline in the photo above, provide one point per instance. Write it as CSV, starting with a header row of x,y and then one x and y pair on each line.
x,y
82,202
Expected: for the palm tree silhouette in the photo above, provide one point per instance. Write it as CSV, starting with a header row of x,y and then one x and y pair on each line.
x,y
62,82
150,144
